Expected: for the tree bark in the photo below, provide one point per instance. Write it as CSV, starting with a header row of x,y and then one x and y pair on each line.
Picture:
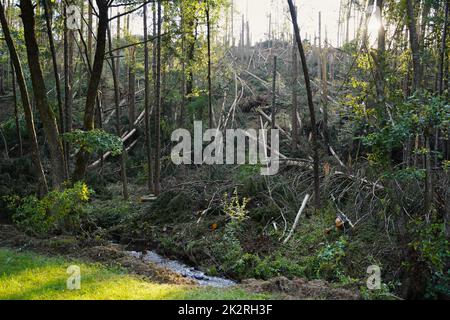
x,y
114,71
294,95
25,102
150,184
443,50
158,106
274,91
68,83
48,21
94,81
16,109
414,42
40,94
317,201
208,28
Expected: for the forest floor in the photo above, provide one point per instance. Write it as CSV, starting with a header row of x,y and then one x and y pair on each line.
x,y
33,268
36,269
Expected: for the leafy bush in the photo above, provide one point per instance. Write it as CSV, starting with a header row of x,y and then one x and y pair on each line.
x,y
234,208
95,141
434,249
328,263
57,211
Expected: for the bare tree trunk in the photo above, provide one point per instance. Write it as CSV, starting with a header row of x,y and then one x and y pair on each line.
x,y
158,106
443,50
274,92
118,52
48,21
68,83
132,87
16,110
414,42
295,123
89,32
94,81
147,106
25,102
40,94
208,28
317,201
123,169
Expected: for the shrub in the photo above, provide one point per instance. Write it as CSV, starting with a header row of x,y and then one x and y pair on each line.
x,y
58,211
234,208
95,141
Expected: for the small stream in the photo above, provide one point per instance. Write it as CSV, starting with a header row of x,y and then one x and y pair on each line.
x,y
184,270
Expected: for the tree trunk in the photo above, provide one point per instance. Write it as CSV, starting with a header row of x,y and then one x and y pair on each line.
x,y
25,102
132,87
414,42
208,28
317,201
89,32
118,52
295,123
114,70
443,50
68,83
158,106
16,109
94,81
48,21
147,106
40,94
274,92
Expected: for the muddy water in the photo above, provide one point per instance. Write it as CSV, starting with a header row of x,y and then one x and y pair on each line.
x,y
182,269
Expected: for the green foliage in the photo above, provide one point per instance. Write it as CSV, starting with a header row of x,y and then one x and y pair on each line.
x,y
328,262
233,260
234,208
108,213
434,250
57,211
95,141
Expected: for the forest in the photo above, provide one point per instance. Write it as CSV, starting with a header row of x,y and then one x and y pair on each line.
x,y
208,150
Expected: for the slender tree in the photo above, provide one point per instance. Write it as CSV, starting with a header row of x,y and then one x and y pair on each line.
x,y
414,42
295,123
48,21
208,35
94,81
68,83
25,102
158,104
310,105
150,184
40,94
114,71
443,49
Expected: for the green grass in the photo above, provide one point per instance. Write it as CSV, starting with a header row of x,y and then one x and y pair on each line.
x,y
29,276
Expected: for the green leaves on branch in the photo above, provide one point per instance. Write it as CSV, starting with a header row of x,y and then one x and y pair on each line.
x,y
57,211
95,141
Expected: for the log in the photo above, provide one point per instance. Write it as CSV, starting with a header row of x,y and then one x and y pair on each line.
x,y
297,218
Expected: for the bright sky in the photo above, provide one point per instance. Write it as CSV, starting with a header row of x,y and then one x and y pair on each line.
x,y
257,12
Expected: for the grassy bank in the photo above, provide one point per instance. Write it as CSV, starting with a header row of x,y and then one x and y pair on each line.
x,y
30,276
